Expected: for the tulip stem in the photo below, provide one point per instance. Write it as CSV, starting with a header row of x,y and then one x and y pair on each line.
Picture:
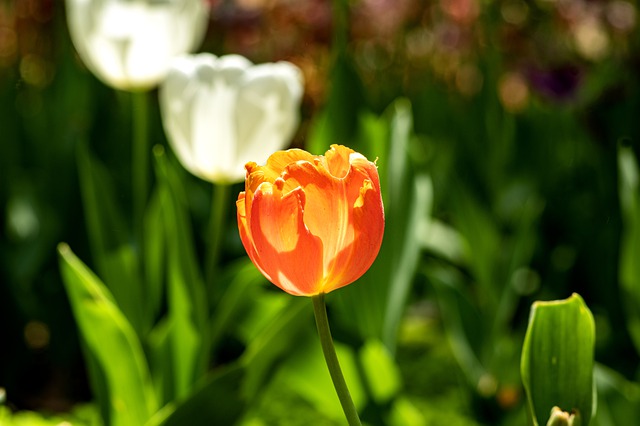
x,y
140,160
219,207
322,322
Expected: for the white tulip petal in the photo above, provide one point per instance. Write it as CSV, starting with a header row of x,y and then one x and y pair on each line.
x,y
220,113
129,44
269,99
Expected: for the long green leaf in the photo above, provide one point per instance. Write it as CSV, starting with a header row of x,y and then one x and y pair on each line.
x,y
154,255
557,359
629,190
116,260
112,340
482,241
460,319
159,348
185,288
376,302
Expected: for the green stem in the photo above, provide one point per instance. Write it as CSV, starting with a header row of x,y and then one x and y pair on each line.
x,y
140,160
219,207
322,322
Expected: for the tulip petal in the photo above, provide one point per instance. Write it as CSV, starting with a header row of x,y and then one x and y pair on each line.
x,y
176,97
212,118
329,208
337,160
343,202
198,100
276,165
368,223
220,113
126,54
245,233
267,109
287,253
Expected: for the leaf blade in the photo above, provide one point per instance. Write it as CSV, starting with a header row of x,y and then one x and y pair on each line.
x,y
111,339
557,358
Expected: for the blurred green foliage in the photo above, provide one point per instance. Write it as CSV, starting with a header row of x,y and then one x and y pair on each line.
x,y
507,142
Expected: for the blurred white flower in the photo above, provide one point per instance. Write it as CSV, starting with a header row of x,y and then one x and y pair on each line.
x,y
220,113
129,44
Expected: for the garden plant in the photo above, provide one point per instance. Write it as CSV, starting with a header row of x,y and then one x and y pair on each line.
x,y
314,212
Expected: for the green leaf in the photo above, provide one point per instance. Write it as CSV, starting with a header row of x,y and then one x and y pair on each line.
x,y
442,240
629,189
154,254
405,211
31,418
461,320
482,241
186,297
159,348
557,359
273,341
217,400
376,302
111,339
618,398
105,223
380,370
305,372
116,261
243,280
122,275
404,413
407,256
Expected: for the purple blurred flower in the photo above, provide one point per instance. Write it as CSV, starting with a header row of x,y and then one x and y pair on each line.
x,y
559,83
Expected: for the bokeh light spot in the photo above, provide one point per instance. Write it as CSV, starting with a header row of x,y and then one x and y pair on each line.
x,y
513,91
36,335
22,221
469,79
591,39
621,15
515,12
8,44
36,71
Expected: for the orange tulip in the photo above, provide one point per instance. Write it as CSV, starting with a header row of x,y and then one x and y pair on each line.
x,y
312,224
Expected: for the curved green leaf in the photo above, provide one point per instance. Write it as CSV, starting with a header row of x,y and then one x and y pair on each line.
x,y
557,359
111,340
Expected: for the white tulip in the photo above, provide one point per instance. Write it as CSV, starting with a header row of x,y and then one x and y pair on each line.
x,y
129,44
220,113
